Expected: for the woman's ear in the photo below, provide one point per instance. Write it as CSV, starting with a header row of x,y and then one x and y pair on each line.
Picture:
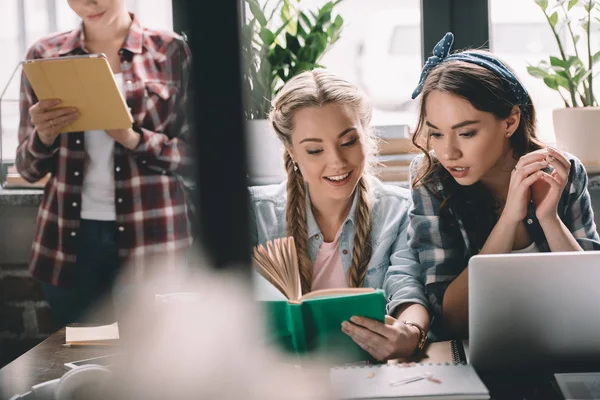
x,y
511,123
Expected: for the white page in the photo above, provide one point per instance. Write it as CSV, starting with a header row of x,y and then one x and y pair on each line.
x,y
264,290
92,333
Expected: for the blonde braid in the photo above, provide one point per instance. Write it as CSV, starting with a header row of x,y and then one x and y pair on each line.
x,y
361,250
296,220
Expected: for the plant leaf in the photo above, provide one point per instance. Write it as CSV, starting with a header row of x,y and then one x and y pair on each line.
x,y
550,81
267,37
257,12
554,18
338,22
292,43
537,72
558,62
572,3
542,3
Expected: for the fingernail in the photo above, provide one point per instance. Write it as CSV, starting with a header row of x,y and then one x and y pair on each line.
x,y
344,325
545,162
354,319
55,102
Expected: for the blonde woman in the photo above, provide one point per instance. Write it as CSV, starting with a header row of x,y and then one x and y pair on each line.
x,y
349,228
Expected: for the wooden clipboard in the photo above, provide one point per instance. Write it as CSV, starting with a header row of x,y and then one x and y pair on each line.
x,y
85,82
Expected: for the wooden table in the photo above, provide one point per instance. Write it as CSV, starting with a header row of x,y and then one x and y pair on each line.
x,y
44,362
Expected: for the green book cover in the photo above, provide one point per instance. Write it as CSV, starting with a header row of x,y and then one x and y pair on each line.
x,y
312,327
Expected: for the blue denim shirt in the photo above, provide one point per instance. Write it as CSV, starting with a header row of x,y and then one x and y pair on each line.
x,y
393,266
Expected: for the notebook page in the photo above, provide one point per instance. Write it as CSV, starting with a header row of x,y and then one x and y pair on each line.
x,y
455,381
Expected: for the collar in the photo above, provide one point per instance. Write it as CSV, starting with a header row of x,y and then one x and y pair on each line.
x,y
133,41
313,228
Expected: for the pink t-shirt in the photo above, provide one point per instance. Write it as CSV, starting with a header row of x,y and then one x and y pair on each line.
x,y
328,270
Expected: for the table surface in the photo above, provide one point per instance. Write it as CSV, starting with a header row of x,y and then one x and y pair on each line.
x,y
46,361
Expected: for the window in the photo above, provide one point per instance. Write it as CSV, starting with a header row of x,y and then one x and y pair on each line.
x,y
22,22
380,50
521,36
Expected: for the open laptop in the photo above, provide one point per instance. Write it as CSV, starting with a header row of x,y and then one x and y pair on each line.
x,y
535,310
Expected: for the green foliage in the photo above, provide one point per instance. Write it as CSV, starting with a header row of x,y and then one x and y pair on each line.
x,y
279,42
570,75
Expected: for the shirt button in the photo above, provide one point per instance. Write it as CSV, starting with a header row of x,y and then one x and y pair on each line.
x,y
119,200
76,173
118,169
529,221
78,141
121,228
73,233
164,172
345,251
316,237
74,204
143,161
129,82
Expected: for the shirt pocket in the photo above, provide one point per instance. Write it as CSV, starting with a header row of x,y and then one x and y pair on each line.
x,y
160,102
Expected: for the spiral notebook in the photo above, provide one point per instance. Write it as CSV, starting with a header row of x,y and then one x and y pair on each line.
x,y
425,381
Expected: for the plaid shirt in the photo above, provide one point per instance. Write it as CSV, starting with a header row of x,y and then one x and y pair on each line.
x,y
444,254
151,211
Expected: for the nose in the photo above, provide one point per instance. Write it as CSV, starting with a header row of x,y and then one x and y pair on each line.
x,y
451,150
336,159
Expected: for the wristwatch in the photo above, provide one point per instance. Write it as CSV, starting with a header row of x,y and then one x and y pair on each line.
x,y
422,338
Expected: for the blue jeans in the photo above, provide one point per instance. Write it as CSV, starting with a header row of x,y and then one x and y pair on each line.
x,y
89,298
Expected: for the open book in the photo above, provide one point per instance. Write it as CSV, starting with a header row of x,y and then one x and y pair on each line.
x,y
311,323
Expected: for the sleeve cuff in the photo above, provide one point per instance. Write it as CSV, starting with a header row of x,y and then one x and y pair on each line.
x,y
39,149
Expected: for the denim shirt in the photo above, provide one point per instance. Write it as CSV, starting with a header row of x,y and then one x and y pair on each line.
x,y
445,253
393,266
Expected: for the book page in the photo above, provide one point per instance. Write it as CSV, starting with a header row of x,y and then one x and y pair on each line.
x,y
335,292
278,264
92,334
263,290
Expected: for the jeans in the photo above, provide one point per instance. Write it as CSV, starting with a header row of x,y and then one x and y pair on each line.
x,y
89,298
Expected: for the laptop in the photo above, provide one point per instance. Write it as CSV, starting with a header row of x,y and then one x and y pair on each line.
x,y
535,310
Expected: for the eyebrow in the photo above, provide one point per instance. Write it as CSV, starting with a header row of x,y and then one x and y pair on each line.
x,y
344,132
459,125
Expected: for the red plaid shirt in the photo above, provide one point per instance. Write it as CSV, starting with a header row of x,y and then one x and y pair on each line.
x,y
151,211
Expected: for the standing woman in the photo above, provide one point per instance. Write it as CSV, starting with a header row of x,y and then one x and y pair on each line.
x,y
114,198
485,183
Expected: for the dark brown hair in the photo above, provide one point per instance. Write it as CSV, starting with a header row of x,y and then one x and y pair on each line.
x,y
474,205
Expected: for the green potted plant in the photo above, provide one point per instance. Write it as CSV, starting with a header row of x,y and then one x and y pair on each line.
x,y
280,39
572,74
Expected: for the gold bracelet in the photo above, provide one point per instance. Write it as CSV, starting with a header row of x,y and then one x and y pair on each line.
x,y
422,338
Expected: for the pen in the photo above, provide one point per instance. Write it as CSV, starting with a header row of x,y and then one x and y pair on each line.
x,y
411,379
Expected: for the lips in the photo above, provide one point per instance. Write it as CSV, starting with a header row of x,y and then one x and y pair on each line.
x,y
458,171
338,180
96,16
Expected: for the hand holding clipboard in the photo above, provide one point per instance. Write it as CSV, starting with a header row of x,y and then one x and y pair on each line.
x,y
88,95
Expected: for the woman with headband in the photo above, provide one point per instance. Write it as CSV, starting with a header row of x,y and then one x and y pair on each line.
x,y
485,183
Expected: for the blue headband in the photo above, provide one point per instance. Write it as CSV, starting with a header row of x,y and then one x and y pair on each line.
x,y
440,55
